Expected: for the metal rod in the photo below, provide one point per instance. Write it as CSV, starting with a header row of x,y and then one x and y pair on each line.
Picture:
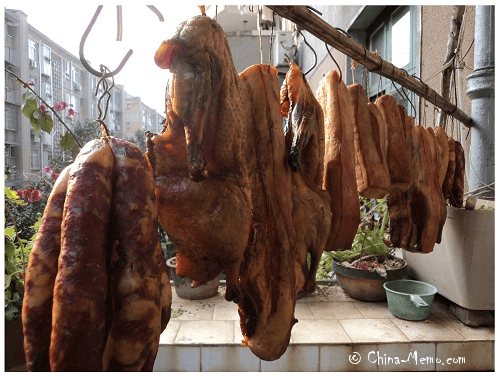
x,y
311,22
119,23
157,12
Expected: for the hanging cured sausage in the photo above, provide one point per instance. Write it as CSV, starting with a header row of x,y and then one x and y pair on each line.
x,y
97,294
40,277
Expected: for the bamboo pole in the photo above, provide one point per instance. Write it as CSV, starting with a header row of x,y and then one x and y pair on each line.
x,y
307,20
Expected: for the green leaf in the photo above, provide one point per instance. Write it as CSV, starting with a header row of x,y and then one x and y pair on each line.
x,y
10,231
13,197
34,122
7,283
29,107
45,122
11,312
67,141
10,248
28,95
10,268
19,284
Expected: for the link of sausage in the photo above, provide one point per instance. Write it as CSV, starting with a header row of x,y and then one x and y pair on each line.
x,y
137,276
40,276
79,310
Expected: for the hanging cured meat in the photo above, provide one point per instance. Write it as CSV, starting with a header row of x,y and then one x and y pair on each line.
x,y
449,178
40,277
201,175
97,294
339,174
137,272
267,275
305,144
372,177
223,182
457,190
397,156
81,283
379,132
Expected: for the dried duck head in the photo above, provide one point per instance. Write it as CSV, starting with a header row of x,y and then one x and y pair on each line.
x,y
196,55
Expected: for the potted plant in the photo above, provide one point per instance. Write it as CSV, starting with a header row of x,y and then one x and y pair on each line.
x,y
362,270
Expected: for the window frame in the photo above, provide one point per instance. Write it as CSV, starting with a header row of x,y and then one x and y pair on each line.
x,y
385,86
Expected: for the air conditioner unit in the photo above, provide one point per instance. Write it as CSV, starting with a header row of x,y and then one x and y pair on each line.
x,y
33,64
283,44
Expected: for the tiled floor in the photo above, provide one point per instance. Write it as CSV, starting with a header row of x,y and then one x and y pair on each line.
x,y
334,333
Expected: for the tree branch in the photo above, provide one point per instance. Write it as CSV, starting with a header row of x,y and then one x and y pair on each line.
x,y
50,107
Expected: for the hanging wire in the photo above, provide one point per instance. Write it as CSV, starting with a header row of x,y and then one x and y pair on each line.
x,y
331,56
106,91
404,95
271,42
314,52
260,35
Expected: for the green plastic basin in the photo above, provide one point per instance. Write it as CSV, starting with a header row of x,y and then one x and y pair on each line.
x,y
409,299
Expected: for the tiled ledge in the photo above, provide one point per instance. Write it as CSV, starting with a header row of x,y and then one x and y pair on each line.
x,y
333,330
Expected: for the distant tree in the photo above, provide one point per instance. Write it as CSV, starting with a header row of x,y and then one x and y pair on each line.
x,y
140,140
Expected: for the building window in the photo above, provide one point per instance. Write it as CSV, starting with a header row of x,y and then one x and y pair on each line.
x,y
393,36
46,92
10,117
73,102
34,80
35,158
33,53
67,69
10,160
46,60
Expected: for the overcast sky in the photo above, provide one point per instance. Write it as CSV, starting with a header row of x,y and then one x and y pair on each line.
x,y
64,22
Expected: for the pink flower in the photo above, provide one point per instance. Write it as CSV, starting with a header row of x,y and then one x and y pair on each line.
x,y
21,193
48,170
28,84
71,113
35,196
61,105
42,107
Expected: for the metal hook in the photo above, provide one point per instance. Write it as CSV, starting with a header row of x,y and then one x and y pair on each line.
x,y
331,56
82,57
314,52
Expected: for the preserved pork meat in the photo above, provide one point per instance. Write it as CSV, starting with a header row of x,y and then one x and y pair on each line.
x,y
305,144
267,275
372,178
339,173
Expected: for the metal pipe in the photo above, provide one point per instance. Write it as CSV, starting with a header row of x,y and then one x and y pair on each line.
x,y
481,90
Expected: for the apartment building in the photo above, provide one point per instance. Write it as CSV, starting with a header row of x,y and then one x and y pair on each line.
x,y
57,76
140,117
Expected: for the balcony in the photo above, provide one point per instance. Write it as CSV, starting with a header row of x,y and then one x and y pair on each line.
x,y
13,96
333,330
